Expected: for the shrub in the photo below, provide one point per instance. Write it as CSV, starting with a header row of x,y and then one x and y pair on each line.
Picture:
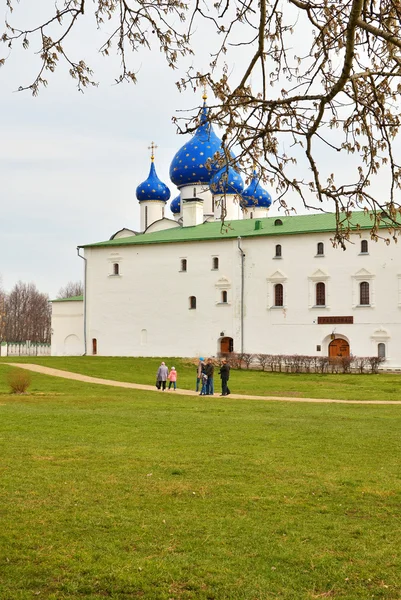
x,y
262,359
19,381
247,359
346,363
235,360
374,362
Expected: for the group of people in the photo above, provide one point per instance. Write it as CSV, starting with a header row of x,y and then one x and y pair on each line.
x,y
204,377
163,375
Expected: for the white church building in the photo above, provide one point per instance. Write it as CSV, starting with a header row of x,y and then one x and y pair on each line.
x,y
188,286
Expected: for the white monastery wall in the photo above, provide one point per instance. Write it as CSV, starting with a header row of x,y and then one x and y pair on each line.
x,y
293,328
67,328
145,310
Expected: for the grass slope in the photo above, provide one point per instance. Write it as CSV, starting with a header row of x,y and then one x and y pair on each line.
x,y
384,386
113,493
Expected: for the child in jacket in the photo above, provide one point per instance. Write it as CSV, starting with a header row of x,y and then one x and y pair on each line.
x,y
172,377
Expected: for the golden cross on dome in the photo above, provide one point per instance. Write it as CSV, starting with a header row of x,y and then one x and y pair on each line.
x,y
152,147
204,91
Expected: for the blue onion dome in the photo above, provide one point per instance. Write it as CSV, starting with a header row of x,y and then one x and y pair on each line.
x,y
226,181
175,205
189,165
255,195
152,188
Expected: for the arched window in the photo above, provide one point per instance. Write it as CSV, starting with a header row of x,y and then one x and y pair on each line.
x,y
251,215
320,294
116,269
278,294
224,296
146,217
364,246
381,350
320,249
278,251
364,293
215,263
192,302
183,264
278,222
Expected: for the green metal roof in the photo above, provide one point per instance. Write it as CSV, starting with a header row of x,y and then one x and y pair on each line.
x,y
291,225
72,299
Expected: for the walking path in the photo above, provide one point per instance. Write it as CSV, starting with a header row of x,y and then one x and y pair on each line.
x,y
151,388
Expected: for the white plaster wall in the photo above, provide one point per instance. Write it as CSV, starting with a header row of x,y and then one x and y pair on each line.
x,y
144,311
162,225
231,204
201,191
67,328
155,212
293,329
192,213
255,212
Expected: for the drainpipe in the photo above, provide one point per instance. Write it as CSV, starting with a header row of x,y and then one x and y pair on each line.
x,y
242,293
85,269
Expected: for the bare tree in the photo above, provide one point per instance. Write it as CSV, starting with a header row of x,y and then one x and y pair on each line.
x,y
321,86
72,289
28,314
2,314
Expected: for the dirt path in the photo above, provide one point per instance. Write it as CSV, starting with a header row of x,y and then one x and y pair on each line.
x,y
151,388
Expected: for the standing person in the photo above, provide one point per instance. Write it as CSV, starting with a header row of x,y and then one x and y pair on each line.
x,y
225,376
172,378
161,377
204,384
199,370
209,370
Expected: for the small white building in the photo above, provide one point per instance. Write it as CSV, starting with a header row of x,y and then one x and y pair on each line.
x,y
68,327
186,286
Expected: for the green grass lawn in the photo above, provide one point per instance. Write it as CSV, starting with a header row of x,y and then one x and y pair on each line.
x,y
114,493
384,386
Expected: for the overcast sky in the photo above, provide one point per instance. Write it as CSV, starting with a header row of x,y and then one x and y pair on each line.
x,y
70,162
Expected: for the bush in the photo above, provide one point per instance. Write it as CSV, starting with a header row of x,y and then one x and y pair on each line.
x,y
247,359
19,381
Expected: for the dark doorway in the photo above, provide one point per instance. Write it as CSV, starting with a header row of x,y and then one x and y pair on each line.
x,y
94,346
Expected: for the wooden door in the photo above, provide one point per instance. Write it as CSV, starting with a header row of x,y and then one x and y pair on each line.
x,y
94,346
338,348
226,345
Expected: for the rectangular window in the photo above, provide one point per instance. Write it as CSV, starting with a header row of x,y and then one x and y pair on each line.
x,y
278,295
320,294
364,293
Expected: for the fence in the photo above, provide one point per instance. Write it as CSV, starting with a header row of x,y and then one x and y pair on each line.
x,y
25,349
